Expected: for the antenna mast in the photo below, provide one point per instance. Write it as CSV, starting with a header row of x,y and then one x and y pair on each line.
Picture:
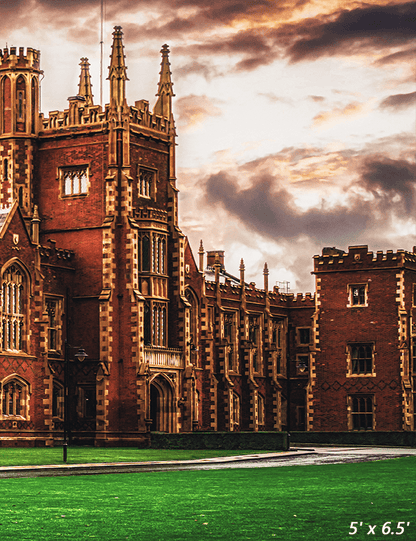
x,y
101,52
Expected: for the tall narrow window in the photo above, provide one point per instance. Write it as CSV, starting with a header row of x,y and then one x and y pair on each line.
x,y
7,105
230,336
235,411
12,309
53,308
260,409
147,326
145,253
5,169
362,412
21,104
158,254
159,325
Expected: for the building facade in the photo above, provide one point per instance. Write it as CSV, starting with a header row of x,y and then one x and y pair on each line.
x,y
92,257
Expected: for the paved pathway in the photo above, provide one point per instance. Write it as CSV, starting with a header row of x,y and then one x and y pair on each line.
x,y
294,457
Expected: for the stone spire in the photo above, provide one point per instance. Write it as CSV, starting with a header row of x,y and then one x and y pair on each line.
x,y
117,70
85,86
165,93
242,269
266,277
201,253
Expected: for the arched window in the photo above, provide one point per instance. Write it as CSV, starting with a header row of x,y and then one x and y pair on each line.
x,y
12,309
6,104
20,103
34,91
14,398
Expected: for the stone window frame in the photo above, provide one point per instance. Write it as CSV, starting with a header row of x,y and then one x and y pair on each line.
x,y
55,323
255,332
20,398
352,360
236,411
299,331
70,171
299,361
230,334
261,409
361,411
14,295
147,178
362,294
58,400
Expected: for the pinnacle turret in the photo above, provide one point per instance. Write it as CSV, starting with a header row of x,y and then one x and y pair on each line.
x,y
117,70
85,86
165,93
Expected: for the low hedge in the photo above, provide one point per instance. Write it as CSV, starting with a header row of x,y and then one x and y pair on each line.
x,y
382,439
220,440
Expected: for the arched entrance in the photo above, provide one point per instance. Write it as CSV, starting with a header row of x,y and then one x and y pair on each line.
x,y
161,405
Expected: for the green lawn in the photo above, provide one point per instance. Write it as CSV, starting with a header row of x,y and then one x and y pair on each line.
x,y
290,503
83,455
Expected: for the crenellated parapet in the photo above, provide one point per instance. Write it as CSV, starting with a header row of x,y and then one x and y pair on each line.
x,y
11,59
304,300
81,115
360,258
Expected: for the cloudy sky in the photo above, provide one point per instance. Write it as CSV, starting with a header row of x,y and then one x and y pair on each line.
x,y
295,118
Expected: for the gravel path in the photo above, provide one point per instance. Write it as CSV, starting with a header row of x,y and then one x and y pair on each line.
x,y
294,457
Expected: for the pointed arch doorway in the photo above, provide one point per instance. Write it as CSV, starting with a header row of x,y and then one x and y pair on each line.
x,y
161,405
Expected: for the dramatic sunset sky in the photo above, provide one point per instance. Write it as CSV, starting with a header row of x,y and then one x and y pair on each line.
x,y
295,118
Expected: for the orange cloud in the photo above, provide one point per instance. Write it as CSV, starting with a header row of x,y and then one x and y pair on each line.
x,y
338,114
192,110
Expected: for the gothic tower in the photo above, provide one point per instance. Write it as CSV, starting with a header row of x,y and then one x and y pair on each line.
x,y
19,125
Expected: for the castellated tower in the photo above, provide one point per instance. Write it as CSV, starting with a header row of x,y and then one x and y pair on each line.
x,y
19,124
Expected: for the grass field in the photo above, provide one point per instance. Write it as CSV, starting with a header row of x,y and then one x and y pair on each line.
x,y
288,503
82,455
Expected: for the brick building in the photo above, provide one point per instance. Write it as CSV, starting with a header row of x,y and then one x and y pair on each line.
x,y
92,257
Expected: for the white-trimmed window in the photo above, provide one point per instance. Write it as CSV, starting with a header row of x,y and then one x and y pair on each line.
x,y
74,180
14,398
357,295
13,309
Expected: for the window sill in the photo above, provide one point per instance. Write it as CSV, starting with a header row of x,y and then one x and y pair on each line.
x,y
369,375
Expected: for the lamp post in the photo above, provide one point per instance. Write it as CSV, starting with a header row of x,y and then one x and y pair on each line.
x,y
80,356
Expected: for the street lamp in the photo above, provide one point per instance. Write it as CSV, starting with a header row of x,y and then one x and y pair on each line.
x,y
80,356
